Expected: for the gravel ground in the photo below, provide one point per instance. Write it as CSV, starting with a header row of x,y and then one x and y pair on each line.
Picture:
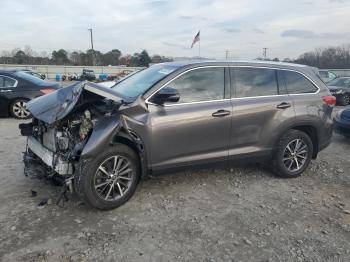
x,y
242,213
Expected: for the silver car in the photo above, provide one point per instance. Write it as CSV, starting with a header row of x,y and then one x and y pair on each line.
x,y
101,141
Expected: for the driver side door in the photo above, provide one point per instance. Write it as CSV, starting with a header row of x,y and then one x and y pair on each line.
x,y
195,129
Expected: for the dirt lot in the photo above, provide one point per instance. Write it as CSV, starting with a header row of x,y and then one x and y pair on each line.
x,y
235,214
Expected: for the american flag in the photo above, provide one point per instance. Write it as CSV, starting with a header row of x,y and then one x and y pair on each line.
x,y
196,39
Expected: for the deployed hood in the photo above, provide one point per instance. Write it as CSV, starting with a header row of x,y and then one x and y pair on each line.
x,y
56,105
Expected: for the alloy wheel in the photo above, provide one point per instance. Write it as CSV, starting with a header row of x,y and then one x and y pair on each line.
x,y
19,109
113,178
295,155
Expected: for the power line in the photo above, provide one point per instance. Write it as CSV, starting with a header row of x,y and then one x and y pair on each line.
x,y
265,52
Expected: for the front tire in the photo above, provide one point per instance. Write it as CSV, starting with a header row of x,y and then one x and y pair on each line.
x,y
110,179
293,154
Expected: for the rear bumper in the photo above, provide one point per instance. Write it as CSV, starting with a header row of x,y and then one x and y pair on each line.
x,y
50,158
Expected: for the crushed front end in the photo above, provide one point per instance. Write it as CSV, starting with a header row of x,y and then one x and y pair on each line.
x,y
62,125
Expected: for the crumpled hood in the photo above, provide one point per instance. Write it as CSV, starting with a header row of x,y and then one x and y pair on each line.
x,y
58,104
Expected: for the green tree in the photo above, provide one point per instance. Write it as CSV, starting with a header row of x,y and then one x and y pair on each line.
x,y
60,57
144,59
112,57
20,57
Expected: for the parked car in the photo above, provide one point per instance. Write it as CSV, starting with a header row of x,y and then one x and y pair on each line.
x,y
113,83
340,88
73,77
87,75
17,88
101,141
41,76
342,122
327,75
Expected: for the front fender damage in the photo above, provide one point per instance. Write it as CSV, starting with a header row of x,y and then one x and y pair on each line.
x,y
105,134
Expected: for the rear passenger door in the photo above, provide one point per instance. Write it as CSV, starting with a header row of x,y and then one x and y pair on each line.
x,y
261,106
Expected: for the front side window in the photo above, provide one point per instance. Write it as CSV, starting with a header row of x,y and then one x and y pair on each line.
x,y
252,82
203,84
6,82
297,83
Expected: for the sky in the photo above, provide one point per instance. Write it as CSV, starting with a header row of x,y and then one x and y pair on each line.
x,y
167,27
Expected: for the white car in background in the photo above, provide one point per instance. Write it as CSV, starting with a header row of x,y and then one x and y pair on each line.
x,y
327,75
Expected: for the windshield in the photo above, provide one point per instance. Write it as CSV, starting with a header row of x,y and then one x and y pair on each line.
x,y
343,82
30,78
140,82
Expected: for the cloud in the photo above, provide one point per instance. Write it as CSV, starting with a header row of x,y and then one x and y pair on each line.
x,y
232,30
306,34
257,30
167,27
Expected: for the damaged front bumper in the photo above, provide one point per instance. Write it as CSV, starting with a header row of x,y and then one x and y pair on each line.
x,y
51,159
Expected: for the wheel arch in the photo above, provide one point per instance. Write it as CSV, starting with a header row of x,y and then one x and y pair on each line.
x,y
311,131
132,140
308,128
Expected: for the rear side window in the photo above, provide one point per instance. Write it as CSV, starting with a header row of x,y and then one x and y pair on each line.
x,y
6,82
255,82
202,84
296,83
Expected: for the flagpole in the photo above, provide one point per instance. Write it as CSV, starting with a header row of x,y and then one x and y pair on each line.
x,y
199,46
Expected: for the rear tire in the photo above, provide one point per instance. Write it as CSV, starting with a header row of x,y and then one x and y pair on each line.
x,y
293,154
18,109
110,179
344,100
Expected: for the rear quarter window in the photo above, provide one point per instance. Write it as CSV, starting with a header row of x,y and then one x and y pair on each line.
x,y
252,82
296,83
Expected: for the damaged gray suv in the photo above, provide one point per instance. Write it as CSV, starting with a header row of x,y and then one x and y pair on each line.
x,y
101,141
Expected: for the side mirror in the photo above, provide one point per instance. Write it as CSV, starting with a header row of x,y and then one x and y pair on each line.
x,y
166,94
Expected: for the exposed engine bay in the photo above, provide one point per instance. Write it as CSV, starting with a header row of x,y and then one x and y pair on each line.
x,y
59,144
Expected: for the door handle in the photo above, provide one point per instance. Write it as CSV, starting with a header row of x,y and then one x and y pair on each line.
x,y
5,90
221,113
283,105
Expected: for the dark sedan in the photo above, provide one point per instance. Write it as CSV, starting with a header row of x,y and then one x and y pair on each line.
x,y
17,88
340,88
342,122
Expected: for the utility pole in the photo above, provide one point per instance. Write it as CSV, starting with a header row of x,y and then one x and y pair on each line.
x,y
265,52
227,53
92,46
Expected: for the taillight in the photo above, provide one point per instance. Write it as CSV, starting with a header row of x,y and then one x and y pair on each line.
x,y
47,90
329,100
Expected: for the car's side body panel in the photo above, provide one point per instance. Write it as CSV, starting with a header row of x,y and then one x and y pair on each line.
x,y
188,134
256,122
